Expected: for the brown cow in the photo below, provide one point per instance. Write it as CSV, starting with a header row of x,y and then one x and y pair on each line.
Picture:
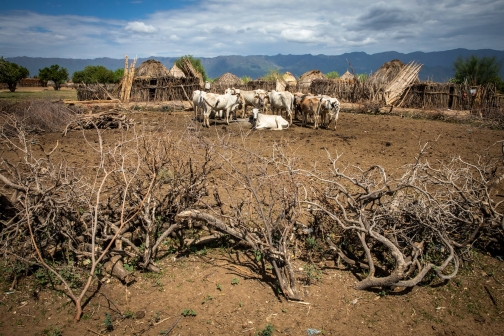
x,y
310,106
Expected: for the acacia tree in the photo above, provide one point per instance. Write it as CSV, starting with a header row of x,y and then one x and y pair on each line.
x,y
477,71
332,74
12,73
55,73
97,74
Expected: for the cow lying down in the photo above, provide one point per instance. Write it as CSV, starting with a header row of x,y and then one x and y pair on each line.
x,y
274,122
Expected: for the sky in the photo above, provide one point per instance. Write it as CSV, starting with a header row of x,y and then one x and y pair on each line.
x,y
143,28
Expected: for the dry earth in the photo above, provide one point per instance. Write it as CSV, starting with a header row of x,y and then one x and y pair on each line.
x,y
228,293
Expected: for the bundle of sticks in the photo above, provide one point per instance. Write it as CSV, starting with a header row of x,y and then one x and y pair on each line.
x,y
103,120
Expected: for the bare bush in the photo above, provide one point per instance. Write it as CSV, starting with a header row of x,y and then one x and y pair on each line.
x,y
36,115
147,186
123,206
399,230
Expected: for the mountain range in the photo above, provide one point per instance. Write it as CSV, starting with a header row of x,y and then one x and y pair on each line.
x,y
437,66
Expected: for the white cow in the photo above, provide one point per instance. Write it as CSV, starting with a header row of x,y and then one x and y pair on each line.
x,y
329,107
274,122
254,98
198,102
280,101
227,102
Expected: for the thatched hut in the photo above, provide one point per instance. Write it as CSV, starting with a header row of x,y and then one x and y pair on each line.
x,y
387,72
289,78
176,72
153,82
228,79
307,78
347,76
152,69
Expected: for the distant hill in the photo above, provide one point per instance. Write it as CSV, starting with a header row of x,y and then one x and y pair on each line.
x,y
438,66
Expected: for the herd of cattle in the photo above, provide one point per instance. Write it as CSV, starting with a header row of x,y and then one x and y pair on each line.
x,y
322,110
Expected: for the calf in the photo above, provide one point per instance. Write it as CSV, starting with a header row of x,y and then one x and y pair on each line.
x,y
329,107
310,106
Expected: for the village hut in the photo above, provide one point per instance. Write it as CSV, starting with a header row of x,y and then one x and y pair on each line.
x,y
308,77
228,79
386,73
151,69
347,76
153,82
176,72
289,78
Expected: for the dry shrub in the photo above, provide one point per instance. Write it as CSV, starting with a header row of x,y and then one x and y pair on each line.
x,y
37,115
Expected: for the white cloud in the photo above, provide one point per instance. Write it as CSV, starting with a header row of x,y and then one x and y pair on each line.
x,y
262,27
140,27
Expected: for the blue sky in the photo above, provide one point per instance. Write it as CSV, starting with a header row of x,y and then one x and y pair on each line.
x,y
91,29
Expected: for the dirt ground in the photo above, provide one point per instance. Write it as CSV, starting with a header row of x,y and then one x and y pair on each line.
x,y
227,293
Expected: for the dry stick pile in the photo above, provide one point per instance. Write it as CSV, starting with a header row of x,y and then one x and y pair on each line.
x,y
103,120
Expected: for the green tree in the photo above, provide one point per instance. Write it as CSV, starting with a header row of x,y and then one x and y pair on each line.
x,y
55,73
11,73
272,75
362,77
97,74
196,63
477,71
332,75
118,75
246,79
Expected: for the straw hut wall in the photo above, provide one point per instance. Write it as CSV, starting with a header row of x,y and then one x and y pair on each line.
x,y
386,73
227,80
307,78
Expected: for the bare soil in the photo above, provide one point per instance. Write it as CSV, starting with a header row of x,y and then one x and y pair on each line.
x,y
226,289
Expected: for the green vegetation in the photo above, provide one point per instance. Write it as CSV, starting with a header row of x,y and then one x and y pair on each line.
x,y
97,74
267,331
477,71
11,73
52,331
108,322
312,273
188,312
196,63
246,79
362,77
235,281
272,75
207,298
332,75
219,287
55,73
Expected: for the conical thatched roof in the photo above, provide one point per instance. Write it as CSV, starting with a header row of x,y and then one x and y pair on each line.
x,y
228,79
151,68
309,76
176,72
387,72
289,78
347,76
